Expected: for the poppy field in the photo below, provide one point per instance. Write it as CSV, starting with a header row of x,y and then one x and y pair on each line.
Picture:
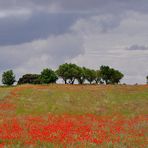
x,y
74,116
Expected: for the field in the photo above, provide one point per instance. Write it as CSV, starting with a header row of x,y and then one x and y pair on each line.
x,y
74,116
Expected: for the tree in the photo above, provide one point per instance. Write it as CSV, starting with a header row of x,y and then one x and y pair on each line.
x,y
80,75
8,78
90,75
98,77
30,79
110,75
48,76
62,72
68,72
105,74
116,76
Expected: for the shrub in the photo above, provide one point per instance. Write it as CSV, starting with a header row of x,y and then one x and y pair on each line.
x,y
30,79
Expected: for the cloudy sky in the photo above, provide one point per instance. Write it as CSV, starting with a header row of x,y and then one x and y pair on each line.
x,y
35,34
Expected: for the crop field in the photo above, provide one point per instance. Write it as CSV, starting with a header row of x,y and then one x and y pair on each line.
x,y
74,116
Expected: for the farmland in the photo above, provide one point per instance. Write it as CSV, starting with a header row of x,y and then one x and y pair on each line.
x,y
74,116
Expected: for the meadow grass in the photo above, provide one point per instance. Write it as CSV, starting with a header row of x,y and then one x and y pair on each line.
x,y
82,99
58,99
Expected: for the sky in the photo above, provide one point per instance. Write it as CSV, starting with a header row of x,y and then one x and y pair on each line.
x,y
38,34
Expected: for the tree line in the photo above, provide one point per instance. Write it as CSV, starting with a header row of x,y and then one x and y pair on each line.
x,y
69,73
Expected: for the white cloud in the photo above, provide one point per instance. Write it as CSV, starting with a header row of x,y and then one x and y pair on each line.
x,y
110,48
39,54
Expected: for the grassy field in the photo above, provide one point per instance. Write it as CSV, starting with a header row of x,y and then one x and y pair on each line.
x,y
123,103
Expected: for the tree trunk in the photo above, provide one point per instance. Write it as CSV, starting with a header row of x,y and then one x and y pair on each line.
x,y
65,81
80,81
72,81
96,81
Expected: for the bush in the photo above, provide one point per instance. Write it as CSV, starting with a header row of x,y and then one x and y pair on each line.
x,y
30,79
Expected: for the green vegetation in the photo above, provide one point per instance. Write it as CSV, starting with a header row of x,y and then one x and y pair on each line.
x,y
69,73
29,79
8,78
90,75
81,99
4,92
110,75
48,76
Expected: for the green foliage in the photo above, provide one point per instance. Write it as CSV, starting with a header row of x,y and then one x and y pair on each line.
x,y
68,72
71,72
116,76
110,75
62,72
105,73
98,77
8,78
48,76
81,75
30,79
90,75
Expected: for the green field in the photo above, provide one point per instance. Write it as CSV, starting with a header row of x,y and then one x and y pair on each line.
x,y
77,99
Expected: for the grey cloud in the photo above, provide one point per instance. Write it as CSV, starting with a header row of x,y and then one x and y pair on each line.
x,y
137,47
39,26
103,5
7,4
110,22
79,5
38,54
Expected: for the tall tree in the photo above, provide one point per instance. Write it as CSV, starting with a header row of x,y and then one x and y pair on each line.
x,y
98,76
116,76
90,75
62,72
81,75
48,76
105,74
110,75
68,72
8,78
